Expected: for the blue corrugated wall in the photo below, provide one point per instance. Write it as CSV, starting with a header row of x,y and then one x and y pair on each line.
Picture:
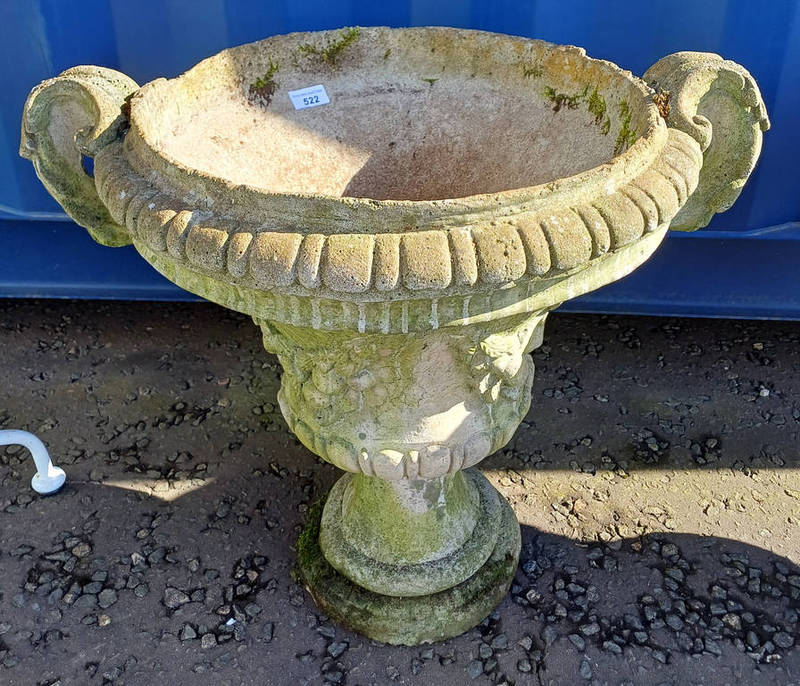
x,y
745,264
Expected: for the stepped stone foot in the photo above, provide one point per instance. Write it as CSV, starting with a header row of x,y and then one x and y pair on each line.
x,y
429,612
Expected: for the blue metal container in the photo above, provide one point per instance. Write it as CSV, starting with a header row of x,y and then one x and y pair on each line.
x,y
745,264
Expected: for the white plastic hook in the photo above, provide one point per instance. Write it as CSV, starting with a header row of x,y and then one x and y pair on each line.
x,y
48,478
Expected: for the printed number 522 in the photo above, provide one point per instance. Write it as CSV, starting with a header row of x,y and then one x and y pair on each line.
x,y
311,100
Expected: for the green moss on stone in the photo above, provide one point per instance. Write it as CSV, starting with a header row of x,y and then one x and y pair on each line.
x,y
595,103
332,51
626,135
311,564
379,515
597,107
559,100
265,86
532,71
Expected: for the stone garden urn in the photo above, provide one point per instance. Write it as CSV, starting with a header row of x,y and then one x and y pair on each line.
x,y
398,210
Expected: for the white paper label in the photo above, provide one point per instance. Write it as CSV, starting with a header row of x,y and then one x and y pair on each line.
x,y
312,96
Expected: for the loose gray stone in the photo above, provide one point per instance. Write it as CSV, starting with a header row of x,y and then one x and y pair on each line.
x,y
732,621
82,550
326,631
577,641
669,550
174,598
674,622
590,629
717,609
500,642
675,573
86,602
107,598
336,676
252,609
660,656
634,622
712,647
474,669
93,587
337,649
585,670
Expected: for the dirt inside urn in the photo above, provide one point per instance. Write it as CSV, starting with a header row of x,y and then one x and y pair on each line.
x,y
415,131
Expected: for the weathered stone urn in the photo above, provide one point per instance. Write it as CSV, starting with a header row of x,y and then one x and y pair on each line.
x,y
400,235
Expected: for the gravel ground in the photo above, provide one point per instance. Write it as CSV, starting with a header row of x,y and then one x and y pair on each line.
x,y
655,478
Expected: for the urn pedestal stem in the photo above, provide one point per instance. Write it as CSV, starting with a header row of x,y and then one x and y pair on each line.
x,y
410,538
411,530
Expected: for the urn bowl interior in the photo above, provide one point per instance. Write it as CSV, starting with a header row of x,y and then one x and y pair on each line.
x,y
414,114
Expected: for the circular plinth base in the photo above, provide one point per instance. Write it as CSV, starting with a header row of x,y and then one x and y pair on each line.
x,y
406,579
409,620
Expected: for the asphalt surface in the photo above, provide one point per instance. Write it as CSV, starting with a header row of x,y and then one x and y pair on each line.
x,y
655,478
